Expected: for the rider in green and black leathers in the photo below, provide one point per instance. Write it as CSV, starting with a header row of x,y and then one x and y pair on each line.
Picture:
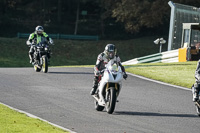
x,y
36,38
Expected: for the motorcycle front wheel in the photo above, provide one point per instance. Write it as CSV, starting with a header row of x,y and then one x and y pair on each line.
x,y
45,64
111,100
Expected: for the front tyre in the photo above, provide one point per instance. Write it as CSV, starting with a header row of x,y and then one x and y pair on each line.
x,y
111,100
45,64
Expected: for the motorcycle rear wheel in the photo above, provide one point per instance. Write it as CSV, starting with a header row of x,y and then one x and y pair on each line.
x,y
111,100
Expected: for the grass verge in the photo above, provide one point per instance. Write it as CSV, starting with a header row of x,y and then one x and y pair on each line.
x,y
12,122
14,51
181,74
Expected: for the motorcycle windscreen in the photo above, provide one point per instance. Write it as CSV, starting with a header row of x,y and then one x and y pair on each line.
x,y
112,66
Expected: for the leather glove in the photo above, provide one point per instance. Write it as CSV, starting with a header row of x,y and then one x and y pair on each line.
x,y
51,41
125,75
28,43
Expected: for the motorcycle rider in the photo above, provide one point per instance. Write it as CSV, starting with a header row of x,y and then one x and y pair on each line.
x,y
36,38
196,86
102,59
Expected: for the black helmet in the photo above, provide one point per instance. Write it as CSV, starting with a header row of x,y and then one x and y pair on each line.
x,y
110,51
39,30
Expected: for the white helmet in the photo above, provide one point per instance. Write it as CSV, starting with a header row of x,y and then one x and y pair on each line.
x,y
39,30
110,51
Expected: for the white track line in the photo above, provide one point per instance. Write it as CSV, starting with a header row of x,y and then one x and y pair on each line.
x,y
159,82
33,116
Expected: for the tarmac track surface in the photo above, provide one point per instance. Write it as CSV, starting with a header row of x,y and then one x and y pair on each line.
x,y
62,97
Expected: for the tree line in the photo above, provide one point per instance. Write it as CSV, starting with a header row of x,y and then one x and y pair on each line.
x,y
106,18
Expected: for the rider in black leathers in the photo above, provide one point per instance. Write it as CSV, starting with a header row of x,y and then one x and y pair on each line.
x,y
102,59
196,86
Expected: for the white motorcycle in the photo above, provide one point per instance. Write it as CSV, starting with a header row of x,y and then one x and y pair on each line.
x,y
108,88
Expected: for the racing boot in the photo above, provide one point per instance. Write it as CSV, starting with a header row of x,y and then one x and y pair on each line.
x,y
94,88
31,59
95,84
195,96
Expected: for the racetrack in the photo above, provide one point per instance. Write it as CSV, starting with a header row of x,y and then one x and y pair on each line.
x,y
62,97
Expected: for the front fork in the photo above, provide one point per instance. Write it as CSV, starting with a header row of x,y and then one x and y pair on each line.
x,y
103,99
38,60
117,87
41,61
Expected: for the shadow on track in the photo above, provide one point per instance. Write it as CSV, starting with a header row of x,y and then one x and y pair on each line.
x,y
154,114
70,73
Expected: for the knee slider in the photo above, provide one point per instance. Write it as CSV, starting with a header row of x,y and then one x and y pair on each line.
x,y
196,85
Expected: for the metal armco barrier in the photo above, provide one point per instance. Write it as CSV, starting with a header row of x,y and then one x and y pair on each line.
x,y
165,57
170,56
150,58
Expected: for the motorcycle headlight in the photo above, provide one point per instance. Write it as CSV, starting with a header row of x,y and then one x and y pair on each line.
x,y
45,49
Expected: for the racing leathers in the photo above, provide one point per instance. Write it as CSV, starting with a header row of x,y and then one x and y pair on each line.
x,y
34,39
196,86
102,60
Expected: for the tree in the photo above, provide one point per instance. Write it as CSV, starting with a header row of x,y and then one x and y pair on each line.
x,y
59,11
77,17
138,14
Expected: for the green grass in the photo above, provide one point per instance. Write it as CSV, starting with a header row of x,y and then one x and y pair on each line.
x,y
14,122
181,74
14,51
